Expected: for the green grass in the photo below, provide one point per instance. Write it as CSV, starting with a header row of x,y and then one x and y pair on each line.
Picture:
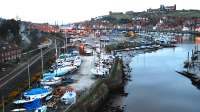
x,y
121,16
154,17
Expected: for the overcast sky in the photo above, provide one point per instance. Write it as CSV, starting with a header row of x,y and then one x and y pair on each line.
x,y
68,11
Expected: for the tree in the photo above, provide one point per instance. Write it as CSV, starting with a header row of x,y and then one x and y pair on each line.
x,y
10,26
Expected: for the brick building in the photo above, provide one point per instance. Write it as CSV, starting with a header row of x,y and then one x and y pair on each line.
x,y
9,52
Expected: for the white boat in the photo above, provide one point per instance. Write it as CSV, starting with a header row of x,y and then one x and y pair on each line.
x,y
19,110
59,71
40,109
69,97
22,101
47,81
63,63
107,58
103,65
100,71
88,51
77,61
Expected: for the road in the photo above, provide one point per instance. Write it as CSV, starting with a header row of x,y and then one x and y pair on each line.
x,y
16,72
22,68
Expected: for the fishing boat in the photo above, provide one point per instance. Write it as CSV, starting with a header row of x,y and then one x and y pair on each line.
x,y
48,81
36,93
34,106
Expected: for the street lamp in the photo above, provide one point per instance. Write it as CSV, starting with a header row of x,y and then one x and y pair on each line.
x,y
29,78
42,59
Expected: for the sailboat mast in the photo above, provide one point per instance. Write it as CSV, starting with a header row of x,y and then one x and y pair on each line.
x,y
65,42
56,48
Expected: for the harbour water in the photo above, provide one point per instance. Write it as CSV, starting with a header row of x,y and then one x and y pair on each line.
x,y
156,87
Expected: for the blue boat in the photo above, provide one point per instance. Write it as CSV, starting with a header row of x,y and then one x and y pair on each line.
x,y
36,93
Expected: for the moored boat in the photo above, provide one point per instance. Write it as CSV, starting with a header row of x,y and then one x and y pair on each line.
x,y
77,61
69,97
34,106
36,93
48,81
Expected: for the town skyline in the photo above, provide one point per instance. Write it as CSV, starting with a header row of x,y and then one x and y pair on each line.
x,y
63,12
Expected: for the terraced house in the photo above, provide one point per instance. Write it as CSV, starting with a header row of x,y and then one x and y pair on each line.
x,y
9,52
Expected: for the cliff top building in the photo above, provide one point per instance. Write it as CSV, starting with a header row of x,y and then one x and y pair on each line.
x,y
163,9
167,8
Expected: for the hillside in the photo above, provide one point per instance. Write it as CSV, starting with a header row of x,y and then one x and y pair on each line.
x,y
121,18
